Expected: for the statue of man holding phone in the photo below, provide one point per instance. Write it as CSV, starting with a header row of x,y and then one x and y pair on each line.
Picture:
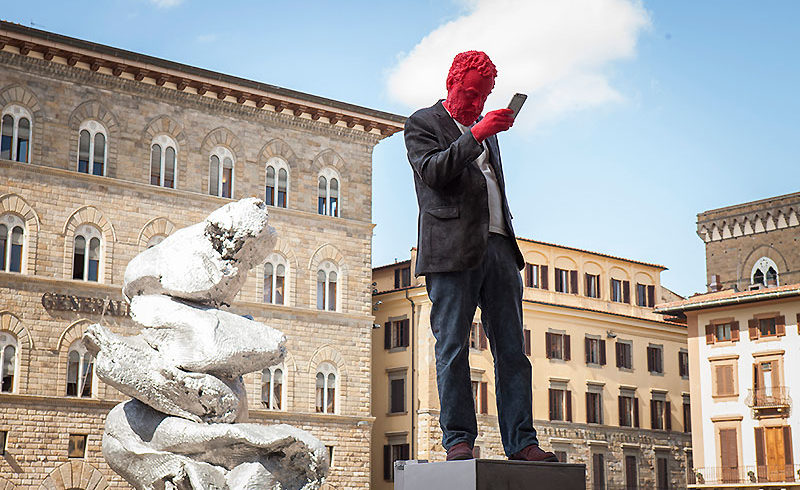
x,y
469,255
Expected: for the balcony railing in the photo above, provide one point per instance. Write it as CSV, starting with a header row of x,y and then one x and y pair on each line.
x,y
772,397
717,475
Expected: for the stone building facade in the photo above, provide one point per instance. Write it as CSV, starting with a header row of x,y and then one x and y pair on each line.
x,y
610,378
103,153
744,241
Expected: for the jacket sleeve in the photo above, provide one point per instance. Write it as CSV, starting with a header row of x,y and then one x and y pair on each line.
x,y
437,166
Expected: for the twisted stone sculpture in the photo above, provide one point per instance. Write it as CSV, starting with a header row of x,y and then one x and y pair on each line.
x,y
185,428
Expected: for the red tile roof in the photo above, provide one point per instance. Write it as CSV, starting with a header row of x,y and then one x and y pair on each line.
x,y
728,297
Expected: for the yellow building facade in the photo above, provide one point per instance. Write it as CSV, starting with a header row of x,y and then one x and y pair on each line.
x,y
610,377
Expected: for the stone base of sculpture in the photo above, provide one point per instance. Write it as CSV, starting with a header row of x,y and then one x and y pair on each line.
x,y
185,427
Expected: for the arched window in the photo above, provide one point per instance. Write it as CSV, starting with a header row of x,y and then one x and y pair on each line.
x,y
163,161
92,149
15,134
765,271
275,279
221,172
273,387
12,243
277,182
326,388
328,195
80,371
87,253
8,362
327,278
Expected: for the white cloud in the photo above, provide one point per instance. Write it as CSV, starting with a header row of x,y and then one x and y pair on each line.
x,y
558,52
166,3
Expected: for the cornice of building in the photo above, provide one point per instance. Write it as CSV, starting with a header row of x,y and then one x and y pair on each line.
x,y
94,57
67,403
256,413
680,326
774,213
728,298
599,254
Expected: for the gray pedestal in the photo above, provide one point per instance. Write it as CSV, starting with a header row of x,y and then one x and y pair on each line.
x,y
488,474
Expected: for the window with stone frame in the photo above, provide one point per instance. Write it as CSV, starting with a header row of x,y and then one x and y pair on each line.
x,y
80,371
560,402
631,472
12,243
396,449
624,354
92,148
8,362
480,395
620,291
327,286
767,325
566,281
687,414
163,161
397,391
765,272
328,197
273,387
598,471
477,337
592,285
595,349
722,330
402,277
87,253
220,173
15,134
628,408
3,440
557,345
655,359
660,412
326,389
594,404
277,182
276,272
724,377
683,363
396,333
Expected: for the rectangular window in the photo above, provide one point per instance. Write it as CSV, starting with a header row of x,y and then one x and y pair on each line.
x,y
526,339
631,477
655,358
402,277
766,327
477,337
724,379
594,408
560,401
624,354
533,276
620,291
683,364
662,472
330,455
645,295
397,392
660,413
628,409
392,453
598,472
77,446
595,351
3,438
396,334
557,346
722,332
687,415
480,396
593,285
566,281
729,455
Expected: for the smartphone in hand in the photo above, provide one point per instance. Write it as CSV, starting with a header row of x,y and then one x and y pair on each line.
x,y
516,103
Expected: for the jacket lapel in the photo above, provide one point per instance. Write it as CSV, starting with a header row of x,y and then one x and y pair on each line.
x,y
494,161
449,128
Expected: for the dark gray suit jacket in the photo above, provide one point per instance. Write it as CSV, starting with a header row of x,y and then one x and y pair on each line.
x,y
453,225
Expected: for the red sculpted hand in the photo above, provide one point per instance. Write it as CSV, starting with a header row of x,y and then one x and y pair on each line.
x,y
493,123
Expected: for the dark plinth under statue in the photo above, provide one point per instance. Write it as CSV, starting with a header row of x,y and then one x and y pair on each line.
x,y
488,474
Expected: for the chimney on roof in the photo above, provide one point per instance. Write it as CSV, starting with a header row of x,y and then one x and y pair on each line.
x,y
715,284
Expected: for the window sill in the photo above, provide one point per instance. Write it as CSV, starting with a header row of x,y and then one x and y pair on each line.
x,y
656,373
397,349
396,414
725,398
625,369
556,359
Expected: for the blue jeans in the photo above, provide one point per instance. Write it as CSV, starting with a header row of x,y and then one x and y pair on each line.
x,y
496,286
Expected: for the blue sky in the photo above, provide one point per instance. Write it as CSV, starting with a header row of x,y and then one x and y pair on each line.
x,y
690,106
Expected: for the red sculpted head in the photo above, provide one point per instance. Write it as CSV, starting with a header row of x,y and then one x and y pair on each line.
x,y
469,83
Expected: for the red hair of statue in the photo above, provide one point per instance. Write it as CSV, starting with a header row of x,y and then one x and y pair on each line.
x,y
470,60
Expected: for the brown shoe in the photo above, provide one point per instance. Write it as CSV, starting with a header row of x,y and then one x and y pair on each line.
x,y
534,453
460,451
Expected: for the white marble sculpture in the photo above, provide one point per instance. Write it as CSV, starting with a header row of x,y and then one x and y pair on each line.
x,y
185,428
